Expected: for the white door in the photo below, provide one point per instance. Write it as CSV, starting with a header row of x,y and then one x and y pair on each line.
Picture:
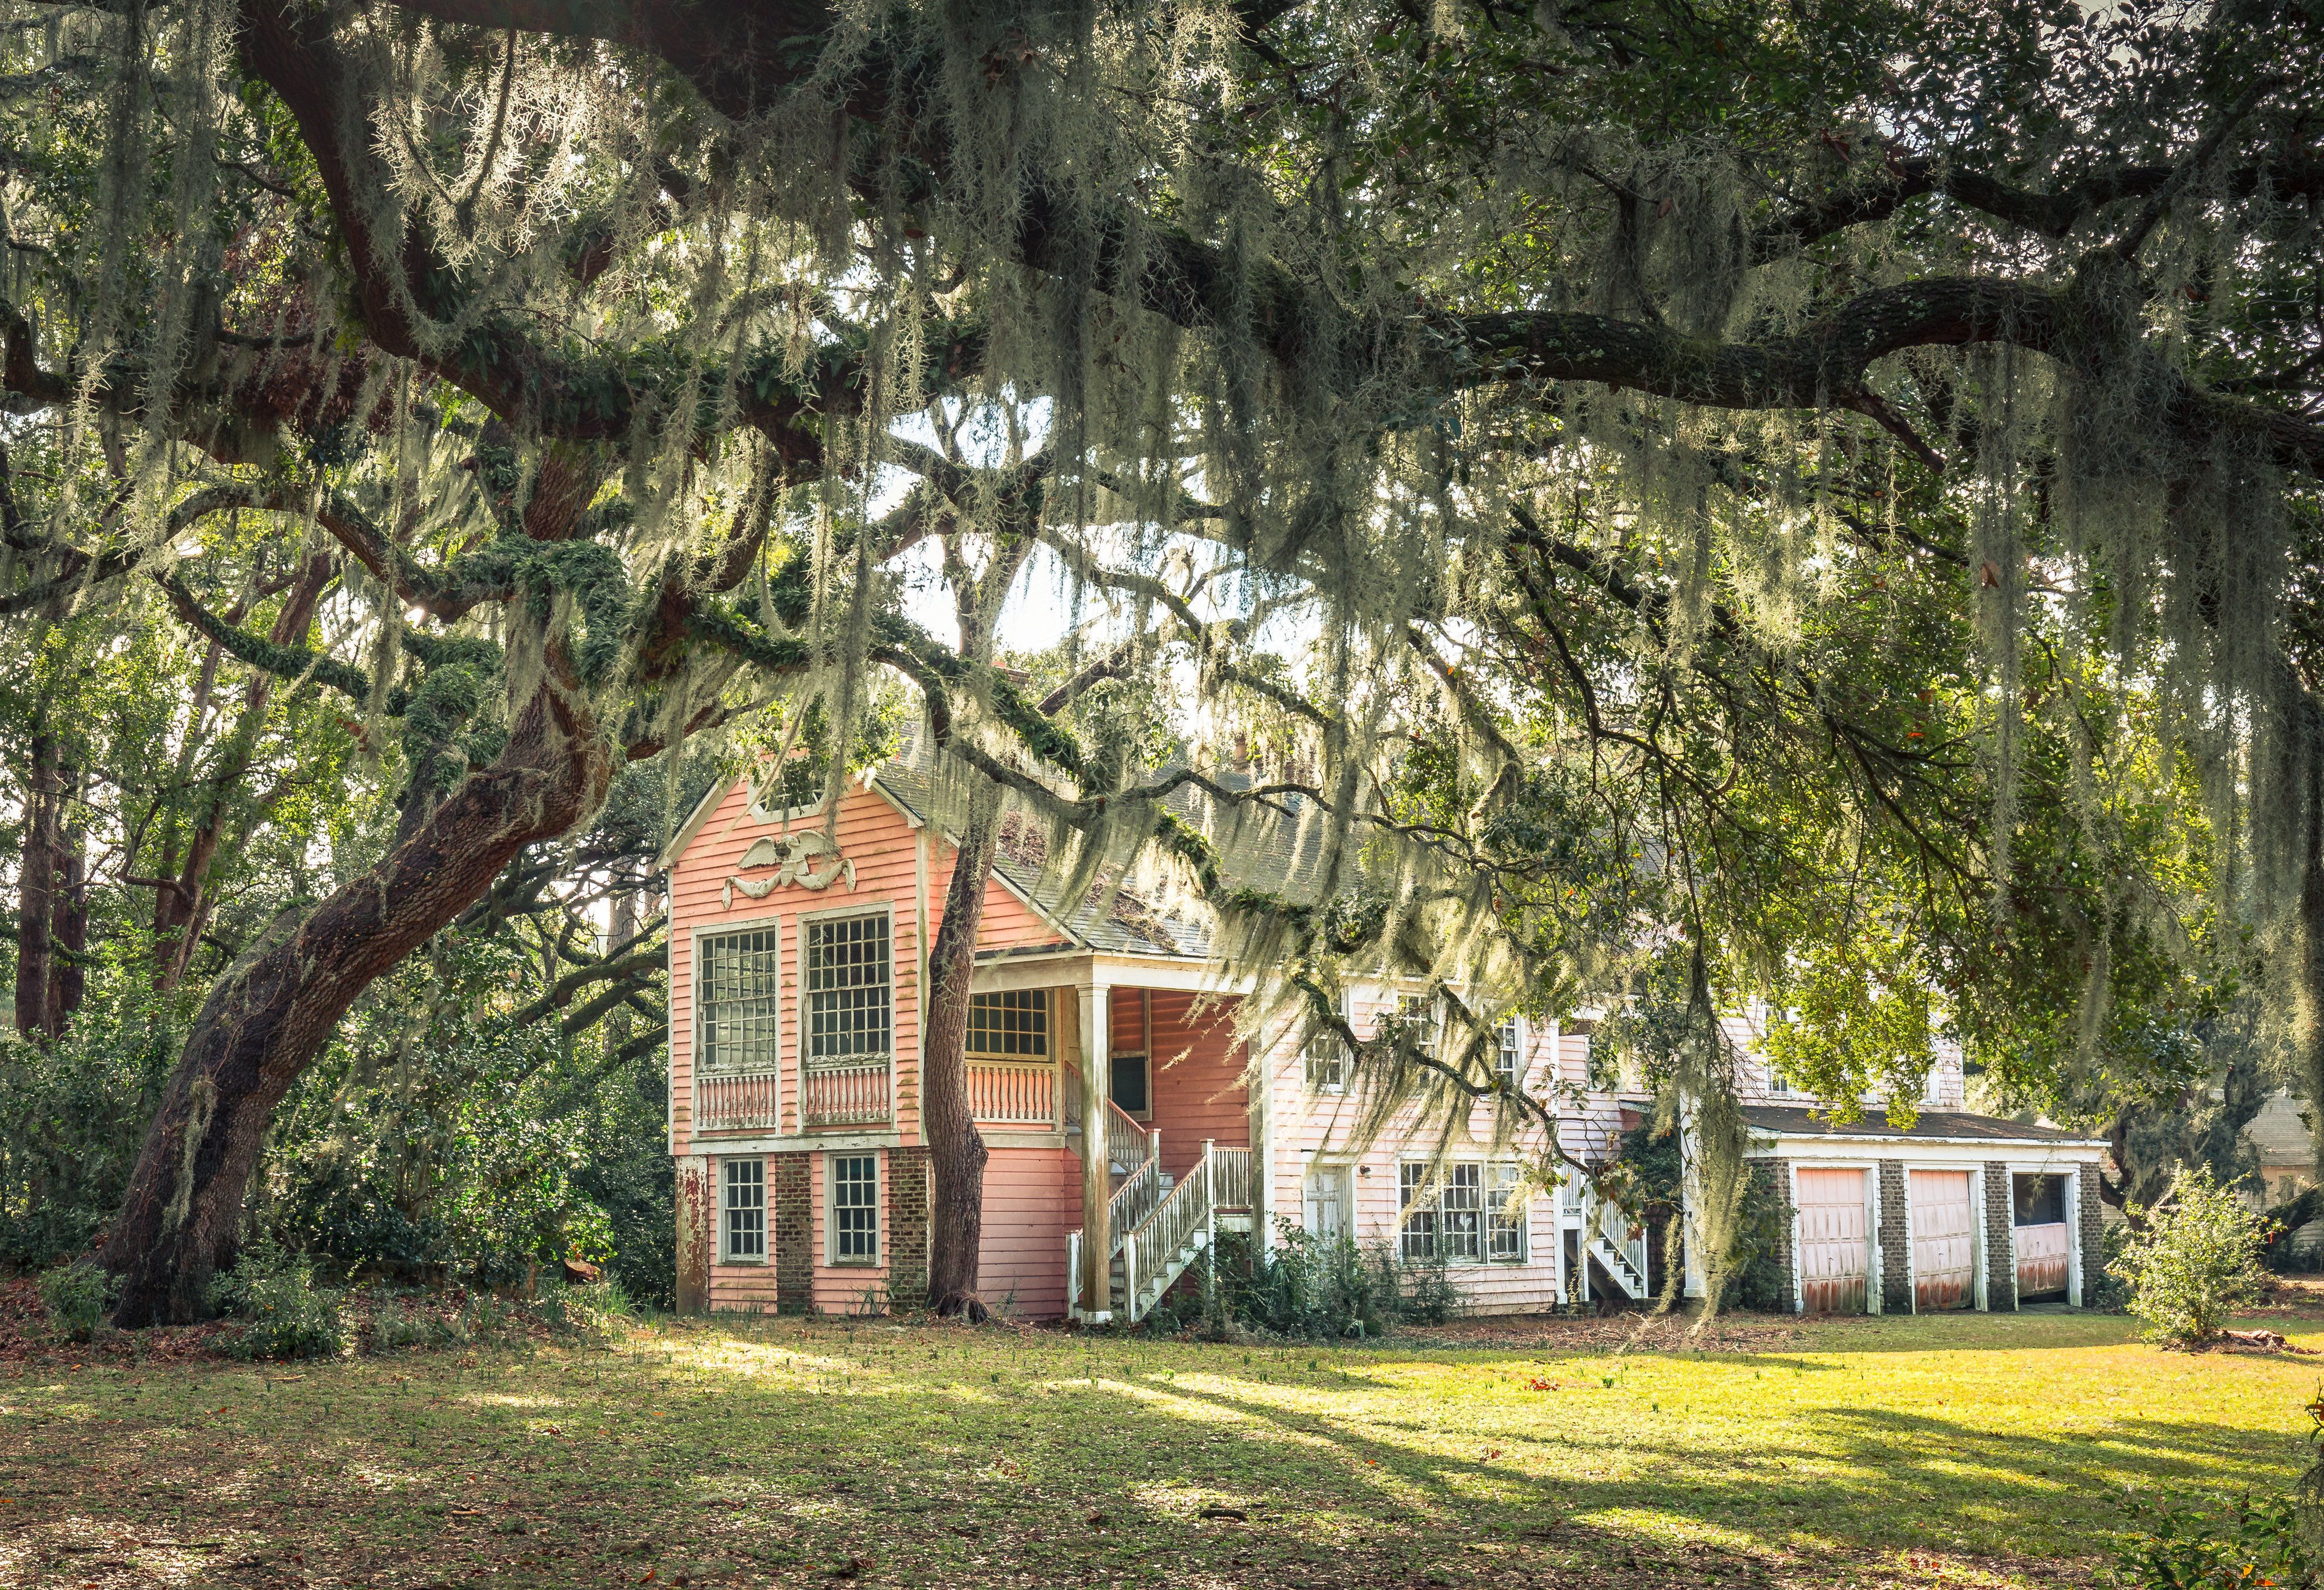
x,y
1945,1271
1328,1203
1834,1259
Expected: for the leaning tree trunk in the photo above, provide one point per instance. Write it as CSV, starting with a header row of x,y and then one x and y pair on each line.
x,y
269,1015
957,1152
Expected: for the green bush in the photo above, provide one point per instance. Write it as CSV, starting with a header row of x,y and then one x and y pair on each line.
x,y
1308,1288
284,1314
77,1296
72,1118
392,1327
2195,1260
2207,1544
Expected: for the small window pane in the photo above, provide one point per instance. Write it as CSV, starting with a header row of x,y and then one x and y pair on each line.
x,y
740,1000
847,988
1416,1013
1325,1057
746,1208
1009,1024
855,1208
1129,1085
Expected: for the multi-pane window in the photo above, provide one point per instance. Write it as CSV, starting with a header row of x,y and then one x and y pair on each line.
x,y
1416,1201
744,1209
1447,1216
1415,1014
1015,1023
847,1010
740,1000
855,1208
1505,1214
1509,1064
1325,1055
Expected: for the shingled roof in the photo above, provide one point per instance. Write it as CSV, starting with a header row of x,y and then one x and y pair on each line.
x,y
1932,1125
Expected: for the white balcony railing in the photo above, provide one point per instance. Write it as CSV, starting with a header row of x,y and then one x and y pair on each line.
x,y
1012,1093
738,1100
853,1092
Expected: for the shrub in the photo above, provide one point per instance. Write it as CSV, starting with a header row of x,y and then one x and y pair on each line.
x,y
1309,1289
2195,1260
2207,1544
392,1326
72,1119
284,1314
77,1296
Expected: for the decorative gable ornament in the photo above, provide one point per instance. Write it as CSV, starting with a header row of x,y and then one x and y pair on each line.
x,y
795,859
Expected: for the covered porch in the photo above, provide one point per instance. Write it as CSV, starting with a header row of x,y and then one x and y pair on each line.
x,y
1143,1060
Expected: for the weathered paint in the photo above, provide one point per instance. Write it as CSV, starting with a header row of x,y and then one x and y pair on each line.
x,y
696,1235
2042,1259
1944,1243
1834,1252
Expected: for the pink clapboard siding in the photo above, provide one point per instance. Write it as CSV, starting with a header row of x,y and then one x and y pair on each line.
x,y
880,841
1032,1199
1195,1073
1311,1125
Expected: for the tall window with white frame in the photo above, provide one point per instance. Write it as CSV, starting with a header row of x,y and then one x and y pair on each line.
x,y
847,989
1508,1055
1415,1198
855,1208
741,991
1505,1214
742,1238
1325,1056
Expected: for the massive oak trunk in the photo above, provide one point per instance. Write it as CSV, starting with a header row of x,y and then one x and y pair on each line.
x,y
957,1152
270,1015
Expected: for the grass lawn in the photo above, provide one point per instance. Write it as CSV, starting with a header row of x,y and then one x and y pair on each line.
x,y
1963,1450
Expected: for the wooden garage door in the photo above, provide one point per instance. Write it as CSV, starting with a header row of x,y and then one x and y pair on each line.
x,y
1943,1261
1833,1249
2040,1260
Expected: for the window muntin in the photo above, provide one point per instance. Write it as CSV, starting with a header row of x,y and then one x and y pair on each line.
x,y
1460,1232
847,988
1505,1221
855,1208
742,1223
1509,1056
1415,1014
741,1000
1013,1024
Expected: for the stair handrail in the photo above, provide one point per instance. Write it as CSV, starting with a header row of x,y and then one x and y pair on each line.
x,y
1128,1144
1614,1226
1133,1200
1182,1211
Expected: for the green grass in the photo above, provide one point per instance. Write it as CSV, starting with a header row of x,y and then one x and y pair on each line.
x,y
1962,1450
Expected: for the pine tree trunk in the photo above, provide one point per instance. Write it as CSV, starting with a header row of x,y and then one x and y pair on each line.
x,y
957,1152
68,911
269,1017
36,890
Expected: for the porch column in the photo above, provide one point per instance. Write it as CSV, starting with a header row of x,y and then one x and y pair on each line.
x,y
1262,1154
1097,1183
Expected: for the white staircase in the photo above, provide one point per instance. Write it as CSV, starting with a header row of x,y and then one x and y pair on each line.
x,y
1158,1227
1609,1233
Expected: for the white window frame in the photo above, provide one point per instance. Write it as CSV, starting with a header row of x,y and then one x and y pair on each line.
x,y
704,940
1518,1068
1324,1058
831,1207
808,922
729,1182
1502,1177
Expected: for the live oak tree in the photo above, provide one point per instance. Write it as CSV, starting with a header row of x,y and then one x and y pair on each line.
x,y
579,338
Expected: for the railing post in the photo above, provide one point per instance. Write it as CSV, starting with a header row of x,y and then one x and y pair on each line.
x,y
1073,1274
1129,1277
1154,1150
1210,1194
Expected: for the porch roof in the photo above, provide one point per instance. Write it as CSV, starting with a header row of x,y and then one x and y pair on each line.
x,y
1934,1126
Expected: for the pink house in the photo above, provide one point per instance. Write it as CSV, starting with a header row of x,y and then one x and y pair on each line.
x,y
796,949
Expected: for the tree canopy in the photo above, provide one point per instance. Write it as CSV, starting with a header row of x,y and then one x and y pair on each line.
x,y
1832,481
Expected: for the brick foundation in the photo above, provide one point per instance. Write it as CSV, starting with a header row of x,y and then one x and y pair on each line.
x,y
2093,1236
908,1228
2000,1244
790,1218
1896,1241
